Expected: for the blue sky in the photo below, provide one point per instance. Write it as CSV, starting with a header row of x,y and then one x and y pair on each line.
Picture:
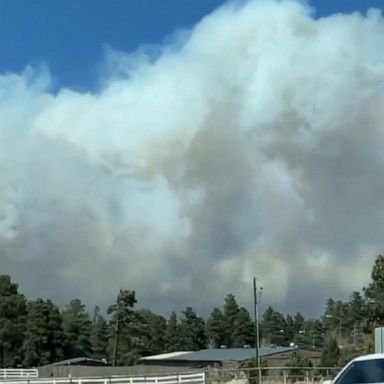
x,y
70,35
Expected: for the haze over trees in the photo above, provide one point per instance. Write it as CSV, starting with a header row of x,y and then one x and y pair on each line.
x,y
38,332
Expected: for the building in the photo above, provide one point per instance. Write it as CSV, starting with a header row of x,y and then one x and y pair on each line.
x,y
231,357
87,361
65,368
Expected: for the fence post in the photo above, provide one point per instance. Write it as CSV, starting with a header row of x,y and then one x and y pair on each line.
x,y
284,377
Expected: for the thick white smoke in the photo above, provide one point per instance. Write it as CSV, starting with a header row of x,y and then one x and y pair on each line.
x,y
252,146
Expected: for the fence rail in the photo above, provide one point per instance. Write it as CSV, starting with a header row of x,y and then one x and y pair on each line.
x,y
185,378
272,375
10,373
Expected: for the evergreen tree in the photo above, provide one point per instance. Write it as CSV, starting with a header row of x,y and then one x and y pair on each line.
x,y
99,335
297,363
356,320
290,329
230,312
374,293
244,330
335,316
357,309
331,354
77,329
192,330
273,328
154,332
299,322
215,329
44,338
173,340
125,325
13,313
329,311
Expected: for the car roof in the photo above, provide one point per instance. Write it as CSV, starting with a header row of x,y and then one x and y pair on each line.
x,y
373,356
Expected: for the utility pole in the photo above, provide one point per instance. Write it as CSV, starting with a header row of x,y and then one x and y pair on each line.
x,y
256,300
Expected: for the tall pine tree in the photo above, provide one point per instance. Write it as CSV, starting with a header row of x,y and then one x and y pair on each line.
x,y
13,311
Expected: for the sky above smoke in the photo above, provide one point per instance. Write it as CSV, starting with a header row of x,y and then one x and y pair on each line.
x,y
251,145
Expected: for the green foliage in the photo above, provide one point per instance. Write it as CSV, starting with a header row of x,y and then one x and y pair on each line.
x,y
297,363
154,332
273,328
13,312
347,353
173,340
77,329
43,337
215,329
36,332
125,328
331,354
99,335
232,326
374,294
192,331
244,330
230,312
251,366
369,346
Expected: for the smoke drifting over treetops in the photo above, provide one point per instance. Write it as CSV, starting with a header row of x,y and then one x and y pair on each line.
x,y
251,146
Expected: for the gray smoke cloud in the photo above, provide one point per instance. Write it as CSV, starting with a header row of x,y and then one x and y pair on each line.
x,y
251,145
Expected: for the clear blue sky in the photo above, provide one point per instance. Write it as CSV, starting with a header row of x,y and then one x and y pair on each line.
x,y
69,35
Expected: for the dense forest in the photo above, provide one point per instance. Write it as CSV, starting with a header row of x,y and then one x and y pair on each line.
x,y
38,332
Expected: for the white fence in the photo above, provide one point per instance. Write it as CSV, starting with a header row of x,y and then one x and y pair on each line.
x,y
185,378
18,373
273,375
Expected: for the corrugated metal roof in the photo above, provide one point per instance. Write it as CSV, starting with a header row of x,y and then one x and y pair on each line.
x,y
223,354
78,361
166,356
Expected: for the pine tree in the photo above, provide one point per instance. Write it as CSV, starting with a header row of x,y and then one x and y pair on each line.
x,y
230,312
192,330
77,329
173,335
331,354
375,293
126,329
99,335
297,364
244,332
215,328
154,336
13,313
44,338
273,328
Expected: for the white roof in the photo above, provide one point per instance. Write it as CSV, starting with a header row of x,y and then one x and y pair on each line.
x,y
373,356
165,355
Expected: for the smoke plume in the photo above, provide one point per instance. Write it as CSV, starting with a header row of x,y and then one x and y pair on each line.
x,y
251,145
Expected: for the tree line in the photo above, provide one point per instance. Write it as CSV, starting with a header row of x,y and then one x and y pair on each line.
x,y
38,332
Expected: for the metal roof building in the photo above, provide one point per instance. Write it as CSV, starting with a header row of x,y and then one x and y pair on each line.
x,y
217,355
80,361
230,357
